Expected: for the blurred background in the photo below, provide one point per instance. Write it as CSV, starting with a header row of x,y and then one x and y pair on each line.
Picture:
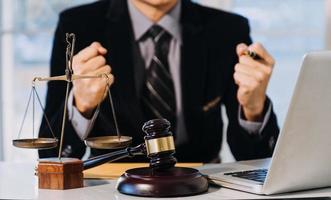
x,y
288,29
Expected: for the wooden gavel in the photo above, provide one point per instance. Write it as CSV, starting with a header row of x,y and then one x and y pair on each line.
x,y
159,147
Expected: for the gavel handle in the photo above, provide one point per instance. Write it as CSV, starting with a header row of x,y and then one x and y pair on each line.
x,y
113,156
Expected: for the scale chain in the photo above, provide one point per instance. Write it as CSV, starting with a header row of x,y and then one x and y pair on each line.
x,y
113,112
33,111
107,90
43,109
25,113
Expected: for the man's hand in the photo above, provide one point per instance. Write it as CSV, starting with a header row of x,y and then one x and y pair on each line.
x,y
252,77
88,93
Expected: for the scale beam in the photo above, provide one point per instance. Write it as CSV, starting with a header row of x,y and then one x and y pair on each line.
x,y
65,77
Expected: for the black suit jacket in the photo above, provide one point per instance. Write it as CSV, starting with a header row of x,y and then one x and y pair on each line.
x,y
207,64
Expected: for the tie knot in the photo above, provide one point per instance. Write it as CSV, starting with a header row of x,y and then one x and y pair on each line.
x,y
156,32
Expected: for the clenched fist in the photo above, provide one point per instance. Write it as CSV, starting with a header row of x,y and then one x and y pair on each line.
x,y
88,93
252,77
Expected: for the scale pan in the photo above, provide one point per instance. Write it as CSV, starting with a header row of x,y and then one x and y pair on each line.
x,y
108,142
36,143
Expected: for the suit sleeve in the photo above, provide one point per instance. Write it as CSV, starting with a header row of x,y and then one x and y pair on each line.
x,y
55,98
245,146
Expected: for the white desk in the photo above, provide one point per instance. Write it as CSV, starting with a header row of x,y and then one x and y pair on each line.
x,y
17,181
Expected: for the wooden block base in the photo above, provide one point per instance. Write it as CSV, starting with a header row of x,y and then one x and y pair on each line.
x,y
56,174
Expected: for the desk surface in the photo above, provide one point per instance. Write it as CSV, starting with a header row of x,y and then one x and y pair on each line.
x,y
17,181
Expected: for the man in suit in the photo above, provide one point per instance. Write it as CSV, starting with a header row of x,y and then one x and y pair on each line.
x,y
169,58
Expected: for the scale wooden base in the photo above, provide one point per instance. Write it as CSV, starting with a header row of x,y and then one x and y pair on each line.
x,y
56,174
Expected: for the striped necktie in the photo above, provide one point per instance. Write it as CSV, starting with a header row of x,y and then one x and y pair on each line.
x,y
158,97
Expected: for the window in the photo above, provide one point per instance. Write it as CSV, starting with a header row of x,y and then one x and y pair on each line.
x,y
26,35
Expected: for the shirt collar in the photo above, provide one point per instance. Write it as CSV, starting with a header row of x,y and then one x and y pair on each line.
x,y
170,21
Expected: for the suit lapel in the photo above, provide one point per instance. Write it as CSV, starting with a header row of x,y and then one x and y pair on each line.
x,y
119,35
193,65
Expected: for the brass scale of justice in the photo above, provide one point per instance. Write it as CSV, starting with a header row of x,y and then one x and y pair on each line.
x,y
160,179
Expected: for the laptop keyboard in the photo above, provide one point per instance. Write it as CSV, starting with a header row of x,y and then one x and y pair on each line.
x,y
258,175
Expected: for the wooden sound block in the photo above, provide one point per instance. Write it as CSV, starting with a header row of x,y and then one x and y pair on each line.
x,y
172,182
56,174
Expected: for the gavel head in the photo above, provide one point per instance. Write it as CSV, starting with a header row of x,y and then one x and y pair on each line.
x,y
159,143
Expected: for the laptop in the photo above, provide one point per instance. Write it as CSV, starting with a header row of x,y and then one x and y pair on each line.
x,y
302,156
